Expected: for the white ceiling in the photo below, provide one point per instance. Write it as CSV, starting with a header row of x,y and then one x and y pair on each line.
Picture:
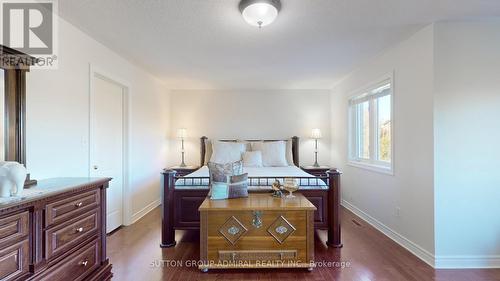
x,y
206,44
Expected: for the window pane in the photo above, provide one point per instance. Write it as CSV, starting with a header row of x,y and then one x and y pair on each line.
x,y
363,118
384,128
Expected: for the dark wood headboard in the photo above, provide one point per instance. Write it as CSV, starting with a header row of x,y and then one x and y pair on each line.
x,y
295,148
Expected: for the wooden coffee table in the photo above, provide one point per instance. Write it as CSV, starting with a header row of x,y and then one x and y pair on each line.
x,y
260,231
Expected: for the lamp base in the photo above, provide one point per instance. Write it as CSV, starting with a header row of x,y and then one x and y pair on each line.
x,y
182,165
316,155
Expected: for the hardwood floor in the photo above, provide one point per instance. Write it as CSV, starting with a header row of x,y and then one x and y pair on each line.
x,y
135,254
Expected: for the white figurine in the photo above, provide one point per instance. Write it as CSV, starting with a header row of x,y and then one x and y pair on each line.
x,y
12,178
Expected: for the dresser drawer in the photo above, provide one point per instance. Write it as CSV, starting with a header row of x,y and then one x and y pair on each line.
x,y
258,255
63,237
65,209
14,227
77,266
14,261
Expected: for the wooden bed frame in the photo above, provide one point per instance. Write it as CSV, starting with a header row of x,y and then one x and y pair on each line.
x,y
179,208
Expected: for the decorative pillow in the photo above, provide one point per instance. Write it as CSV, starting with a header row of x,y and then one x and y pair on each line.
x,y
219,190
238,186
227,152
219,172
252,159
273,153
235,187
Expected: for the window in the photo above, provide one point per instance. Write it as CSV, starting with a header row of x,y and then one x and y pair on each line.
x,y
370,128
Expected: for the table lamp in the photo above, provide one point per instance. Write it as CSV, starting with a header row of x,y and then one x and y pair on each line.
x,y
316,135
182,134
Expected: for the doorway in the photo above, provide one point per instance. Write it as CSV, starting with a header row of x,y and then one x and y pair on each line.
x,y
108,142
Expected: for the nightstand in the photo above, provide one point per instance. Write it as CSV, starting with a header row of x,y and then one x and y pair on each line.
x,y
182,171
316,171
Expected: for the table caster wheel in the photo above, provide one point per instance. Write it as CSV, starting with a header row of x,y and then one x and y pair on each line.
x,y
310,269
204,270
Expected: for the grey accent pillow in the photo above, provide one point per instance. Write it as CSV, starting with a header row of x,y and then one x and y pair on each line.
x,y
238,186
220,172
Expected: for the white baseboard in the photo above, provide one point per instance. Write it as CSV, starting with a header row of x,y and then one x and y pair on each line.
x,y
137,216
396,237
438,262
468,261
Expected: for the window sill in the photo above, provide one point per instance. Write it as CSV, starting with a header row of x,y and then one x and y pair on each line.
x,y
372,167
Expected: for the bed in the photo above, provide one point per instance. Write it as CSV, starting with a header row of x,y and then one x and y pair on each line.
x,y
181,196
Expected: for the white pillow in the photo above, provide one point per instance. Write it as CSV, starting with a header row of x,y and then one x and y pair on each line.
x,y
273,153
224,152
252,159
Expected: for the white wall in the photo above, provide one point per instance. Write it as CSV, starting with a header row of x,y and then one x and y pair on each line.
x,y
58,116
447,132
248,114
467,144
376,196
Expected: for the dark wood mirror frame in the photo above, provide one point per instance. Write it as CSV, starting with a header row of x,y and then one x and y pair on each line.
x,y
15,65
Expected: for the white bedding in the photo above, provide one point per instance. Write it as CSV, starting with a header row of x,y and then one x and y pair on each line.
x,y
270,173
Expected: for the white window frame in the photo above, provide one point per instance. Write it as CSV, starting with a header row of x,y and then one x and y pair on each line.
x,y
372,163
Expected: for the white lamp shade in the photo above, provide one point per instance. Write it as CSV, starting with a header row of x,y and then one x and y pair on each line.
x,y
316,133
260,14
182,133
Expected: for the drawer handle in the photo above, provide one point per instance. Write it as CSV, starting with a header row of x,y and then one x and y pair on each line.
x,y
79,230
83,263
257,219
79,204
233,256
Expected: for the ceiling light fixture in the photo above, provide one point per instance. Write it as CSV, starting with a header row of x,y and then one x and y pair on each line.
x,y
260,12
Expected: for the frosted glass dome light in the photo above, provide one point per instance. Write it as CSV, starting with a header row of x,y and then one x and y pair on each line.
x,y
260,12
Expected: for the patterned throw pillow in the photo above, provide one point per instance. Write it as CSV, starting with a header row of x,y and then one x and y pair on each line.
x,y
219,190
227,180
219,172
238,186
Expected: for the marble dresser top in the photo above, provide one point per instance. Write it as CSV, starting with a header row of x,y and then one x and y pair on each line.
x,y
49,187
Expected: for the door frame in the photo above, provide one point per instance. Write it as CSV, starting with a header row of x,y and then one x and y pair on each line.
x,y
98,72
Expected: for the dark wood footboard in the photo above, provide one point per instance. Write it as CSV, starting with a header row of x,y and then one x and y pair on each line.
x,y
167,209
333,208
179,208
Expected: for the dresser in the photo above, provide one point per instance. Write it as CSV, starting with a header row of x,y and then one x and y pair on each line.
x,y
259,231
55,231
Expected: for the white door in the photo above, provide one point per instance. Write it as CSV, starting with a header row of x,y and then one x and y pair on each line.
x,y
106,143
